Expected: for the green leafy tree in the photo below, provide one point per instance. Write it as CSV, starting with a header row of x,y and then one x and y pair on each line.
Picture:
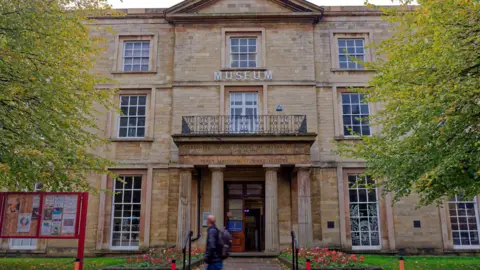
x,y
47,94
428,82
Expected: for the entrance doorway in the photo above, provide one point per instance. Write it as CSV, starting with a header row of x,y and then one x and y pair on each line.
x,y
245,215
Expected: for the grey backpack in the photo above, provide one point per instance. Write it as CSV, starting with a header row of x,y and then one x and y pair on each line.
x,y
224,244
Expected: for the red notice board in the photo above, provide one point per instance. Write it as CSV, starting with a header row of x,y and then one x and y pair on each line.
x,y
40,215
51,215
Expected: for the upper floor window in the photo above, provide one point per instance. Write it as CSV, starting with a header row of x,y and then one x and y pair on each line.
x,y
355,115
349,48
133,117
136,56
243,52
464,222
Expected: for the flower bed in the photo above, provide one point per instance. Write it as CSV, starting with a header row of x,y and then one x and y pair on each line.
x,y
160,259
323,258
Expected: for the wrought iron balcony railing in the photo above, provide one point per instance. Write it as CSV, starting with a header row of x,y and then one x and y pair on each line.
x,y
249,124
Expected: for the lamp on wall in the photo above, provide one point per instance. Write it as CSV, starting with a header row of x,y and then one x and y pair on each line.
x,y
279,108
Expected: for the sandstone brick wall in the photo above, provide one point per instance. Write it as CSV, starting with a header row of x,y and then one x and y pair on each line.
x,y
426,239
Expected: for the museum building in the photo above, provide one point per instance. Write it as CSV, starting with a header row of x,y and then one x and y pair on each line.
x,y
234,108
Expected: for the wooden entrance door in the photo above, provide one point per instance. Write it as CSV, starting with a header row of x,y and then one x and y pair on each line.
x,y
235,219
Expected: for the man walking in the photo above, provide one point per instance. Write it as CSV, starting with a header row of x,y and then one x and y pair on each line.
x,y
212,253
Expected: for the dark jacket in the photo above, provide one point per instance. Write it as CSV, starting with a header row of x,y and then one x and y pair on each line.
x,y
212,254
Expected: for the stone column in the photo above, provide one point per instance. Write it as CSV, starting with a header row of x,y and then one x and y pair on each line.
x,y
184,204
217,202
305,234
271,208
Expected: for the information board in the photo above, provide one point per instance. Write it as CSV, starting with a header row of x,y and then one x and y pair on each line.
x,y
40,215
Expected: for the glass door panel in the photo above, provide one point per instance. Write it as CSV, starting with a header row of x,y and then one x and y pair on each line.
x,y
244,112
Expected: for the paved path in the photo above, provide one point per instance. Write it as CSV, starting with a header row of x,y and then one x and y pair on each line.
x,y
252,263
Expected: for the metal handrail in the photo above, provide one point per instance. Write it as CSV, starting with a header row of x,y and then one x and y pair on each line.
x,y
188,240
294,251
244,124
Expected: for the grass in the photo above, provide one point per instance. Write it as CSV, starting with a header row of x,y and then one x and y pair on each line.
x,y
386,262
424,262
56,263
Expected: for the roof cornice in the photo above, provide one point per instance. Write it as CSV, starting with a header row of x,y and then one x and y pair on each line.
x,y
191,6
305,17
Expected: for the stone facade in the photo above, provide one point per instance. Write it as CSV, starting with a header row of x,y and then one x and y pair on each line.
x,y
306,183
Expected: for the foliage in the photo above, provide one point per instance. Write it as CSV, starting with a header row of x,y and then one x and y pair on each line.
x,y
325,258
428,83
48,95
162,257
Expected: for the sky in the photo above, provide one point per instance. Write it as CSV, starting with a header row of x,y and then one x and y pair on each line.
x,y
169,3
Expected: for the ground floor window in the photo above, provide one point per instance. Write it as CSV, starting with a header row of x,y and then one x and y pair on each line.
x,y
464,222
126,205
364,214
27,244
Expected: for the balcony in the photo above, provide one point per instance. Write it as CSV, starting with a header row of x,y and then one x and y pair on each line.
x,y
245,125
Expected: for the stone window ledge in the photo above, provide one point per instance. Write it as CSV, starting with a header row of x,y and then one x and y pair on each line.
x,y
347,138
23,251
134,72
243,69
131,139
352,70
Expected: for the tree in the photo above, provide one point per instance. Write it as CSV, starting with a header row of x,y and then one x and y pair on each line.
x,y
428,82
48,95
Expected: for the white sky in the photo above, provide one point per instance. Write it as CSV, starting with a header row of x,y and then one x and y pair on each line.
x,y
169,3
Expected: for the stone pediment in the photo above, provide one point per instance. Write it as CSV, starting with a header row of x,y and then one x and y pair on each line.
x,y
243,6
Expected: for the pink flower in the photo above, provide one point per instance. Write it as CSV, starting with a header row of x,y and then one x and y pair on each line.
x,y
362,258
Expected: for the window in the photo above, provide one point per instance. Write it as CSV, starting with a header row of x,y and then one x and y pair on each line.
x,y
25,244
244,112
364,213
127,203
464,222
355,115
133,117
348,48
136,56
243,52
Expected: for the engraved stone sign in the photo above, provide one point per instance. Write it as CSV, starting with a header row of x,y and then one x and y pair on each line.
x,y
234,153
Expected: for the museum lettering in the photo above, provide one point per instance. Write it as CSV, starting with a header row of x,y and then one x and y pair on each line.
x,y
243,76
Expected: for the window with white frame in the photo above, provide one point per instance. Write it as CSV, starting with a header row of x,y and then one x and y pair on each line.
x,y
355,113
136,56
244,112
464,222
23,244
126,205
133,118
364,213
349,48
243,52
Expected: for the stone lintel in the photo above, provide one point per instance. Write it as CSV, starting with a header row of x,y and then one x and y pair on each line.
x,y
302,167
271,167
217,167
184,167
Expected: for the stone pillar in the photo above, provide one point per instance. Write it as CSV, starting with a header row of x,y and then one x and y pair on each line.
x,y
271,209
184,204
216,207
305,234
